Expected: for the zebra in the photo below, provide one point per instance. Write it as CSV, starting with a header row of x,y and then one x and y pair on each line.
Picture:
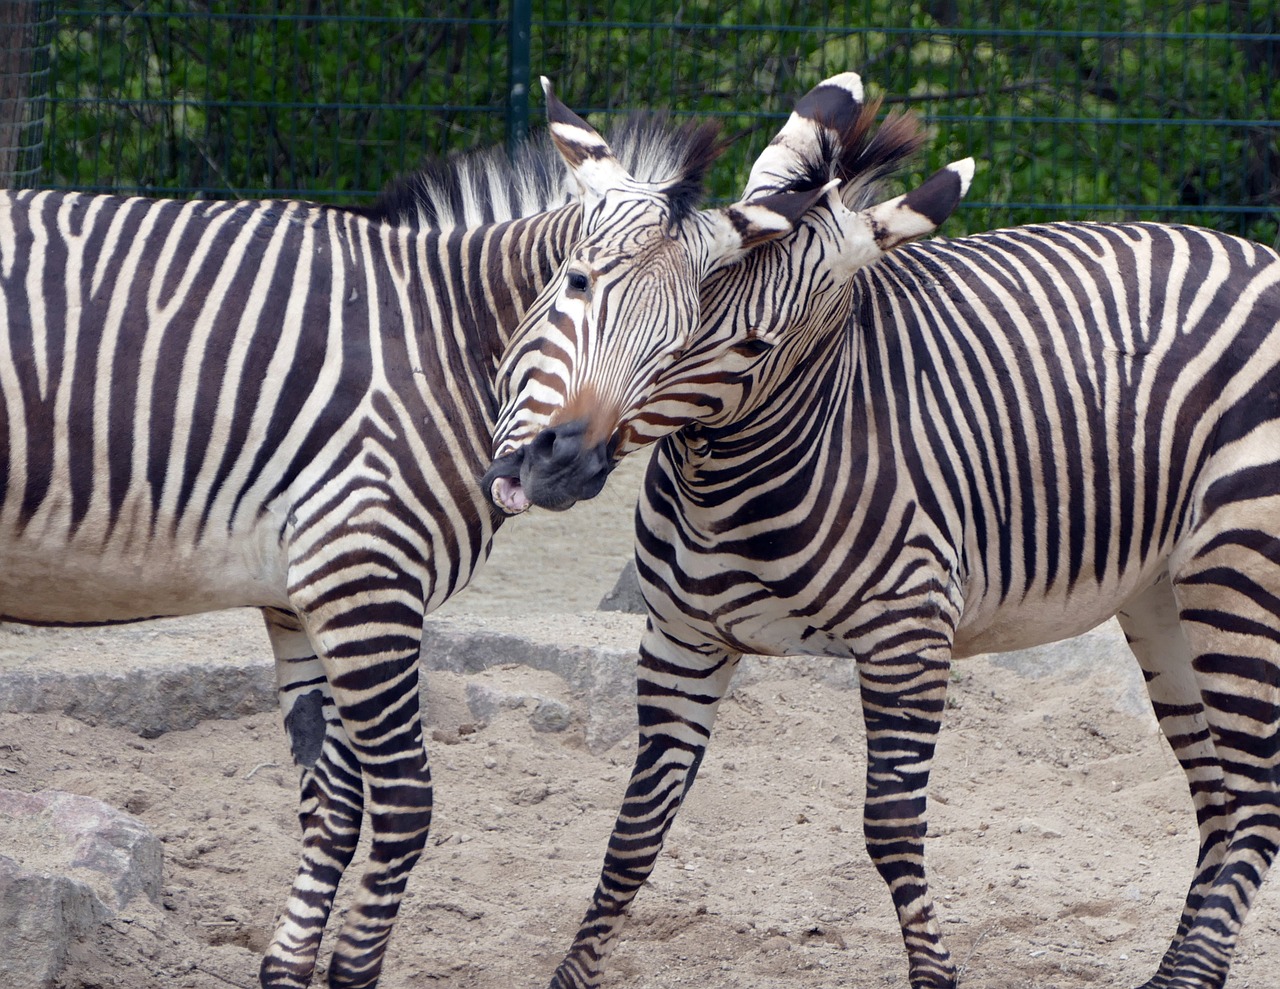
x,y
981,445
280,405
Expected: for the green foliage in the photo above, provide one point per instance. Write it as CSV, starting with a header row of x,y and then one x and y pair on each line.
x,y
243,99
1074,108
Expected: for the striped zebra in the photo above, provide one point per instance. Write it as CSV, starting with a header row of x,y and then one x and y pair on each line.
x,y
983,444
285,406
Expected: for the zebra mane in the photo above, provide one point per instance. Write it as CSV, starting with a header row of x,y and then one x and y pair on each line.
x,y
488,185
860,155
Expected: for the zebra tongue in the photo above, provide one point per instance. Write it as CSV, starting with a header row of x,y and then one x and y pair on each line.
x,y
510,496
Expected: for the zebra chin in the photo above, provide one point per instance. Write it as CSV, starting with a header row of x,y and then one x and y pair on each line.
x,y
557,469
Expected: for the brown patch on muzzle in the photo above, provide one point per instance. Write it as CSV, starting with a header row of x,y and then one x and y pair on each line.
x,y
585,405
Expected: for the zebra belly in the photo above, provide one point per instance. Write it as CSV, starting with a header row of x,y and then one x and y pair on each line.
x,y
56,581
1003,626
986,626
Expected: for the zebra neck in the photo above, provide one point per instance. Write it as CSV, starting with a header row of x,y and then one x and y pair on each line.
x,y
495,272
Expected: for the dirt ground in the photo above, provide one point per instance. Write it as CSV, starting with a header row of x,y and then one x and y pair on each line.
x,y
1061,833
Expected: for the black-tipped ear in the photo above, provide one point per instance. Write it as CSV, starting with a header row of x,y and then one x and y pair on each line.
x,y
835,102
586,153
786,207
922,210
938,197
576,139
806,142
749,223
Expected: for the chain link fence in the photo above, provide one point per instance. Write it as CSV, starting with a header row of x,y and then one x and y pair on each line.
x,y
1101,109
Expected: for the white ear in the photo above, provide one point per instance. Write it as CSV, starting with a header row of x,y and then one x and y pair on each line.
x,y
747,224
823,112
590,160
922,210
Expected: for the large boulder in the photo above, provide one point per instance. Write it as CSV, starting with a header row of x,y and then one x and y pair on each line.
x,y
71,863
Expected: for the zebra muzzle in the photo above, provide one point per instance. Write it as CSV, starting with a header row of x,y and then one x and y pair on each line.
x,y
557,468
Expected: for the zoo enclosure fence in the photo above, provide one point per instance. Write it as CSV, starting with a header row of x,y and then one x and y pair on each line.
x,y
1099,109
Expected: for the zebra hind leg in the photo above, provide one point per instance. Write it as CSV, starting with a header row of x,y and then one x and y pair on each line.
x,y
1228,594
678,692
330,805
1150,623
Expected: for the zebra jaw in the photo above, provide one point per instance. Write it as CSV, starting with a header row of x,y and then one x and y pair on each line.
x,y
503,484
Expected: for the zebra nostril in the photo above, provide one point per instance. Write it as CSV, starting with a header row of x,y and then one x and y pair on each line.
x,y
562,468
557,446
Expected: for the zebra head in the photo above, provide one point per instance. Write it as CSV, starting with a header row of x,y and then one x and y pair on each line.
x,y
764,319
615,315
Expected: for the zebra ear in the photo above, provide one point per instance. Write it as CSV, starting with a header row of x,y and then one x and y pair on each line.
x,y
810,134
922,210
590,160
747,224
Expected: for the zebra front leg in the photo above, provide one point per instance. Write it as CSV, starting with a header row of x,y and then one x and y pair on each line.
x,y
1151,626
902,703
330,805
369,642
678,691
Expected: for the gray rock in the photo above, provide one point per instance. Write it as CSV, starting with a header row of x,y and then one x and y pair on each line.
x,y
551,715
1101,655
75,862
594,654
147,702
625,595
114,853
41,916
135,677
486,702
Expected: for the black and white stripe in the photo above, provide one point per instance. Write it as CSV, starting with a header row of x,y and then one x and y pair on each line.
x,y
971,446
285,406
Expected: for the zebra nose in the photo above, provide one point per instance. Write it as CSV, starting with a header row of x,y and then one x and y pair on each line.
x,y
559,446
562,467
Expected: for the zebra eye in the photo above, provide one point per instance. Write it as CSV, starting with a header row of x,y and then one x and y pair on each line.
x,y
755,347
577,281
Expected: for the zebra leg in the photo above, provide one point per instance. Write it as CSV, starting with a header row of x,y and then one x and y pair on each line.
x,y
1150,623
366,632
329,809
1228,596
678,690
368,640
902,703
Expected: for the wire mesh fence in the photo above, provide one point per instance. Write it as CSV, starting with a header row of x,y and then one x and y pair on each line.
x,y
1156,109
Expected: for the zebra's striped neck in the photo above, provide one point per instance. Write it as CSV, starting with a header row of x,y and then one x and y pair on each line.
x,y
488,277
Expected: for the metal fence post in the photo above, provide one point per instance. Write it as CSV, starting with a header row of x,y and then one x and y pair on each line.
x,y
521,25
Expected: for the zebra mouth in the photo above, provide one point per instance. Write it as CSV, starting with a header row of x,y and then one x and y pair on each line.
x,y
503,484
508,494
555,470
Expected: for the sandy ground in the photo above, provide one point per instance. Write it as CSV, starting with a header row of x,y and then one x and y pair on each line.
x,y
1061,833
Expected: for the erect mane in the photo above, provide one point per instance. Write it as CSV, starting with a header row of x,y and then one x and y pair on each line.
x,y
653,148
860,155
487,185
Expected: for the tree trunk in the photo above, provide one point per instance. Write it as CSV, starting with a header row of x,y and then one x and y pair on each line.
x,y
21,28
